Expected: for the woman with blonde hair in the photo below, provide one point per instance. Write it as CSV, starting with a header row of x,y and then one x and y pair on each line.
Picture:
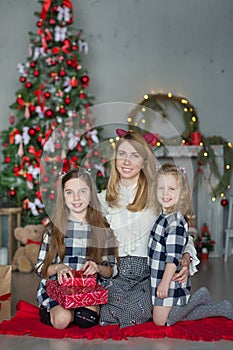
x,y
129,206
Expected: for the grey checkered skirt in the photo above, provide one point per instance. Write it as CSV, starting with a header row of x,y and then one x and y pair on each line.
x,y
129,294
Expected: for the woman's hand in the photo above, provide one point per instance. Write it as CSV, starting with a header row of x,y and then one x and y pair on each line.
x,y
90,268
183,274
64,272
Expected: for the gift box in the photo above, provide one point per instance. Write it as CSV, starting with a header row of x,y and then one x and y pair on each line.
x,y
71,297
5,292
80,280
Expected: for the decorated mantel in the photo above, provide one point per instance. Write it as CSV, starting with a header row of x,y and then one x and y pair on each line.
x,y
207,160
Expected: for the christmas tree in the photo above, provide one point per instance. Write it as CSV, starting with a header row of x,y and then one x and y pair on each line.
x,y
52,93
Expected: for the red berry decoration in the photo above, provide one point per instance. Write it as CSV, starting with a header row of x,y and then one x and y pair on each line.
x,y
22,79
224,202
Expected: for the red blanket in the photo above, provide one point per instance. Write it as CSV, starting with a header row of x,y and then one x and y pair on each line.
x,y
27,322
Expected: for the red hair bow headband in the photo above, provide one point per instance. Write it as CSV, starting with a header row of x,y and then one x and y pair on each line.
x,y
148,136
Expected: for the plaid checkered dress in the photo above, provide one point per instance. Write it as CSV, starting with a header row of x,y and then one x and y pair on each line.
x,y
77,240
166,244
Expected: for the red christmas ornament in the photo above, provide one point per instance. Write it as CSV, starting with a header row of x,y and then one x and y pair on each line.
x,y
67,100
52,195
85,79
66,42
96,153
99,174
74,47
28,84
12,119
69,62
55,8
82,95
224,202
45,179
29,177
83,121
16,169
7,159
36,73
57,146
32,108
22,79
32,132
40,24
12,192
32,64
62,73
47,94
52,21
49,113
70,21
62,110
37,128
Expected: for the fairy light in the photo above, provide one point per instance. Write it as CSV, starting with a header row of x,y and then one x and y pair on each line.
x,y
228,167
185,109
143,121
183,141
201,143
222,195
205,154
143,109
146,97
129,119
194,119
228,187
111,140
229,144
184,101
213,199
169,94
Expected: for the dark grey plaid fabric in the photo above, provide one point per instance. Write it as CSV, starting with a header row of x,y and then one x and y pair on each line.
x,y
77,241
129,294
166,244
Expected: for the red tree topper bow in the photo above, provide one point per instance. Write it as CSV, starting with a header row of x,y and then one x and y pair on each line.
x,y
148,136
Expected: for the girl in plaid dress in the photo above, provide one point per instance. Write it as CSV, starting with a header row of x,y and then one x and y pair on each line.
x,y
171,300
167,241
78,237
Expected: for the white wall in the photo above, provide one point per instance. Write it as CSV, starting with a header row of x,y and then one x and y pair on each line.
x,y
135,46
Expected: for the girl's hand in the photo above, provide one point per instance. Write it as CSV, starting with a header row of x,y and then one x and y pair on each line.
x,y
64,272
183,274
90,268
162,290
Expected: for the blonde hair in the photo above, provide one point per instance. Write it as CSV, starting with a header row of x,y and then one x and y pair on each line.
x,y
100,228
144,195
184,202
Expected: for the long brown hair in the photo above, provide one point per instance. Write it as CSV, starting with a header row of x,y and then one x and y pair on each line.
x,y
144,194
184,203
100,229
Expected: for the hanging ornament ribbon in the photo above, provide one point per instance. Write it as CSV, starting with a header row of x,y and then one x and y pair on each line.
x,y
37,154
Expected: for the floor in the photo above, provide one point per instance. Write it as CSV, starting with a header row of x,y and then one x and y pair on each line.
x,y
214,274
